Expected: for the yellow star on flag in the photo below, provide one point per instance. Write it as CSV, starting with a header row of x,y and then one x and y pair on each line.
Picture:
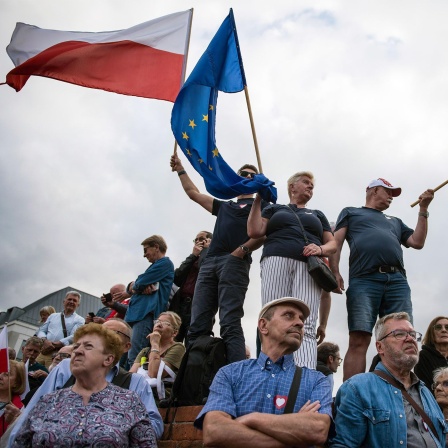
x,y
200,161
205,118
185,136
210,168
215,152
192,124
188,152
210,107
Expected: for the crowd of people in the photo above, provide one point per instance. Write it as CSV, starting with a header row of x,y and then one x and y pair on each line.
x,y
106,372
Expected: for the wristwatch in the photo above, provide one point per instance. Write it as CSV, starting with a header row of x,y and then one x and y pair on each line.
x,y
245,249
424,214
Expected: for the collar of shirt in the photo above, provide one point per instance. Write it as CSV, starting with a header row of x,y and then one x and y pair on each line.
x,y
283,363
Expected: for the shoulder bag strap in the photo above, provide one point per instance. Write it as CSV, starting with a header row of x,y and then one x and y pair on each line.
x,y
64,328
293,391
301,225
411,401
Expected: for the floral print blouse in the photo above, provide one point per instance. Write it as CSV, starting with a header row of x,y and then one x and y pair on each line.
x,y
113,417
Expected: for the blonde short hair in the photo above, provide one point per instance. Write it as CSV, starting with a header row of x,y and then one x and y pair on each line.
x,y
295,177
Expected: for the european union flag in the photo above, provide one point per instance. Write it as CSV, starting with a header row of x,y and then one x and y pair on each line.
x,y
194,115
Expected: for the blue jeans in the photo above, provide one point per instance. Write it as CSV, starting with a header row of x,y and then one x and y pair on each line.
x,y
140,330
222,284
374,295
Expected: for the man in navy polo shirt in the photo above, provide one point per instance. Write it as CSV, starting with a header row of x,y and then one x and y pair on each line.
x,y
224,275
377,279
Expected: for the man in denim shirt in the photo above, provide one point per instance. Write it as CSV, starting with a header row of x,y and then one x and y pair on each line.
x,y
246,404
371,412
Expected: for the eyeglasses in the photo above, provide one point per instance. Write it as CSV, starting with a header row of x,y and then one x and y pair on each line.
x,y
62,355
164,323
440,327
123,334
400,335
245,173
200,239
444,384
338,359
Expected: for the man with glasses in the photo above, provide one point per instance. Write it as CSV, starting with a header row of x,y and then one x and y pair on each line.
x,y
224,275
64,353
185,277
390,406
328,360
61,374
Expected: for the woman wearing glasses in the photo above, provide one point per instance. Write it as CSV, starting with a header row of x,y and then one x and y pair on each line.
x,y
434,352
283,265
440,390
163,357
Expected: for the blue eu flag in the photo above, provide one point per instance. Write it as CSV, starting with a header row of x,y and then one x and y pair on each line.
x,y
194,115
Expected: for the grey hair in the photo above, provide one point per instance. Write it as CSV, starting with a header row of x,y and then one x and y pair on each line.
x,y
379,326
74,293
441,371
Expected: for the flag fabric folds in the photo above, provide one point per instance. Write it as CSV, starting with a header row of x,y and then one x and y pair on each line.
x,y
4,356
193,117
147,60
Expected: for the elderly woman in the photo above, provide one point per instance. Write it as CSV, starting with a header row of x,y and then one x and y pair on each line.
x,y
283,266
440,389
434,352
92,412
163,348
14,379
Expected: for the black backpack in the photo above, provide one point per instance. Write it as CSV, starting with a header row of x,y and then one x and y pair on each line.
x,y
197,370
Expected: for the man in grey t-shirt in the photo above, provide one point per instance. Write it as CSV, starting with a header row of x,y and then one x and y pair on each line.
x,y
377,278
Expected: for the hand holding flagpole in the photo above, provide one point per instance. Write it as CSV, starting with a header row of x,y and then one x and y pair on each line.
x,y
435,189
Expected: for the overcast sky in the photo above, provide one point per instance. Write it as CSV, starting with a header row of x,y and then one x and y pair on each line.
x,y
350,90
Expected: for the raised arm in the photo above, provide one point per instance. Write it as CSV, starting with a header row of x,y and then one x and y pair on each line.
x,y
339,237
189,187
256,225
418,238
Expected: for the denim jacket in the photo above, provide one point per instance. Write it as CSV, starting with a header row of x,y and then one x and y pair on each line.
x,y
370,413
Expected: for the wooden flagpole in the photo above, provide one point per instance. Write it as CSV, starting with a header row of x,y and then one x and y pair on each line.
x,y
185,70
252,125
435,189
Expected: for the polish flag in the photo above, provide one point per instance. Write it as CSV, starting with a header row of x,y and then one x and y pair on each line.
x,y
147,60
4,357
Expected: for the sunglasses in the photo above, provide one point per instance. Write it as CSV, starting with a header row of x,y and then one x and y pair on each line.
x,y
440,327
245,173
123,334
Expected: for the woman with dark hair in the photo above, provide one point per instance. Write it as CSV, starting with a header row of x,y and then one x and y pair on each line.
x,y
284,271
92,412
434,352
14,380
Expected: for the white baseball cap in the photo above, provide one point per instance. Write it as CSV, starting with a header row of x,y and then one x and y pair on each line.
x,y
293,300
380,182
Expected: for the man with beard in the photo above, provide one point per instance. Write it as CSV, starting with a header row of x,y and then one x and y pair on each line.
x,y
390,406
247,401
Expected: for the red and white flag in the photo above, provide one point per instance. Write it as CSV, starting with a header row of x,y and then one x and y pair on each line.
x,y
147,60
4,356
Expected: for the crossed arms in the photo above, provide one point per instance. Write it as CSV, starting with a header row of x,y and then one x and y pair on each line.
x,y
305,428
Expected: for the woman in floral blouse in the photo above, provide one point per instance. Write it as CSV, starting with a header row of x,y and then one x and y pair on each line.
x,y
92,412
